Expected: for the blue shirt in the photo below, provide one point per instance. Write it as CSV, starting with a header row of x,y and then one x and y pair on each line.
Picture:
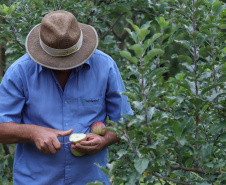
x,y
31,94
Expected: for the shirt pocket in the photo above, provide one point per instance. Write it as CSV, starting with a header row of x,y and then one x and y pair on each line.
x,y
92,101
91,109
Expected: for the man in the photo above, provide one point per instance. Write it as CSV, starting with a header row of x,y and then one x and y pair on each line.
x,y
62,85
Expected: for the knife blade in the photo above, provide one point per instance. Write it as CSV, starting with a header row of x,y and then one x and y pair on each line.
x,y
65,143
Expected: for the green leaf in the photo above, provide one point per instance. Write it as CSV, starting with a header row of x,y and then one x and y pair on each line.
x,y
95,183
176,127
141,165
150,112
217,127
182,21
192,86
161,21
132,96
135,27
184,43
183,58
143,33
208,26
216,5
138,105
122,152
198,3
91,3
205,50
103,169
148,42
123,9
137,49
197,13
182,141
132,34
147,25
153,53
180,76
215,95
222,138
203,183
128,56
205,107
132,178
182,84
157,72
219,10
210,87
142,70
129,117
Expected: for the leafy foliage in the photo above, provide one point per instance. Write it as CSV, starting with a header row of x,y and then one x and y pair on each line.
x,y
177,133
6,166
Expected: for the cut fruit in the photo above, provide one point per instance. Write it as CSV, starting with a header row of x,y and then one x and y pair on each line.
x,y
76,138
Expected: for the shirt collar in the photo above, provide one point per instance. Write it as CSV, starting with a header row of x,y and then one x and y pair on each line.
x,y
85,66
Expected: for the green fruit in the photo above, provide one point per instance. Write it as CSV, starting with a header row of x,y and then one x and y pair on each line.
x,y
76,153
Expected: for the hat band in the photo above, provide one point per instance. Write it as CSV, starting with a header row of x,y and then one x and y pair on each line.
x,y
62,52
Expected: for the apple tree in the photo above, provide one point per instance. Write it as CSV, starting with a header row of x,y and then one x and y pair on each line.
x,y
171,54
108,17
177,133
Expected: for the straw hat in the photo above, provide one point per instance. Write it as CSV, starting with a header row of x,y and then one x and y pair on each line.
x,y
61,42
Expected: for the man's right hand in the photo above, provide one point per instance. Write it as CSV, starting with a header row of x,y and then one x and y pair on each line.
x,y
46,139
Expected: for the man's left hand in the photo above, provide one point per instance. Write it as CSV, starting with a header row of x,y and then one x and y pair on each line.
x,y
93,144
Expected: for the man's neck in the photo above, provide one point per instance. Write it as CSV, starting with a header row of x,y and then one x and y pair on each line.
x,y
62,76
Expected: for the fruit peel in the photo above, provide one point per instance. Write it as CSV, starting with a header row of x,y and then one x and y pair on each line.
x,y
98,128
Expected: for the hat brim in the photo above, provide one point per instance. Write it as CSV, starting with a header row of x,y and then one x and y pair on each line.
x,y
38,55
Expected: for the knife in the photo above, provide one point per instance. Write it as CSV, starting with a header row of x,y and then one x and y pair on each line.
x,y
65,143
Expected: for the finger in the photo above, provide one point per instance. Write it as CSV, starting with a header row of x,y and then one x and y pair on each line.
x,y
44,149
52,149
91,142
64,133
84,149
57,144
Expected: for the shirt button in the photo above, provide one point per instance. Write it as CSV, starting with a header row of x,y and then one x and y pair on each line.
x,y
65,102
66,124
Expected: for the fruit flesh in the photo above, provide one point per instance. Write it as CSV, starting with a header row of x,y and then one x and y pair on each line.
x,y
76,138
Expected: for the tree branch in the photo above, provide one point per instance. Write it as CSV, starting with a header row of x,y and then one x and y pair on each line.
x,y
121,37
194,170
136,152
6,149
111,27
204,128
14,34
171,180
107,3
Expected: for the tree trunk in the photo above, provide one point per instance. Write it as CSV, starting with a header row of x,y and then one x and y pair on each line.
x,y
2,60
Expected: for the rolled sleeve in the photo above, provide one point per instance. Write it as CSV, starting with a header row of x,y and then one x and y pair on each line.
x,y
11,97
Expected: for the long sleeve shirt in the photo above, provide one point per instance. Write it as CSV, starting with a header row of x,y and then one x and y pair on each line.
x,y
31,94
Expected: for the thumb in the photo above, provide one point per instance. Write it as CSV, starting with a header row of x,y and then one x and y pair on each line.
x,y
64,133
